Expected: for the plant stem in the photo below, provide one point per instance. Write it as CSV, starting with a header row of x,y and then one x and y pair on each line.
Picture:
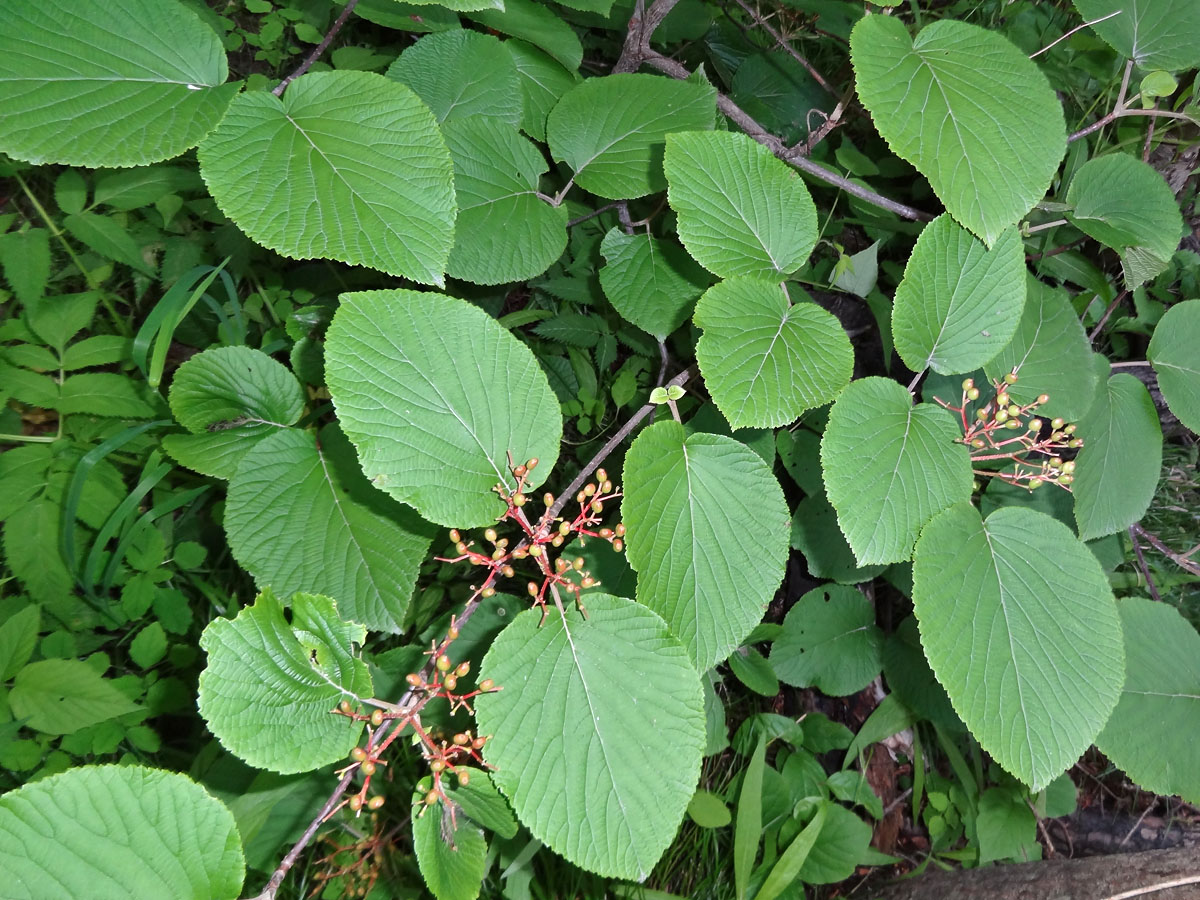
x,y
57,232
783,44
1130,364
1073,30
1141,560
319,49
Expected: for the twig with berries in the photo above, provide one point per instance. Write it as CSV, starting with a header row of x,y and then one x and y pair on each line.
x,y
1002,429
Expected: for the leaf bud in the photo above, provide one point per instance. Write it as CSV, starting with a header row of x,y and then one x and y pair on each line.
x,y
375,802
377,717
368,768
618,544
1010,378
454,535
450,682
490,535
356,802
518,499
358,754
443,663
973,394
531,463
486,685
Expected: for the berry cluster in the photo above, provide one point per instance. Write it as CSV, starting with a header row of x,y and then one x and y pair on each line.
x,y
539,538
1003,429
445,758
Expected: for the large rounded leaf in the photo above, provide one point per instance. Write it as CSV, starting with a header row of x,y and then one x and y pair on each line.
x,y
697,508
118,833
270,683
505,230
1126,205
741,211
1155,34
766,359
598,732
968,109
435,396
651,283
300,516
347,165
107,82
1152,732
610,130
830,641
452,871
462,74
889,467
1117,470
959,303
1019,624
1172,351
1051,354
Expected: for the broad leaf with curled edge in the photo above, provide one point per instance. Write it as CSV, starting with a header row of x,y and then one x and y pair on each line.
x,y
766,357
300,516
1019,625
451,854
1172,352
118,833
1152,732
270,683
435,395
461,75
1155,34
650,282
598,731
741,211
346,165
968,109
960,302
610,130
505,230
889,467
707,533
107,82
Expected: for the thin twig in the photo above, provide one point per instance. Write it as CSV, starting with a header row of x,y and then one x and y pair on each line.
x,y
591,215
783,44
1141,818
1104,318
1041,821
1137,551
1073,30
1155,888
1131,364
319,49
615,441
642,25
1120,111
1182,560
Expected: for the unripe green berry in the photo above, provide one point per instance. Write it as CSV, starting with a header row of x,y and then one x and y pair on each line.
x,y
490,535
356,802
1001,416
1043,399
968,384
377,718
536,550
618,544
1010,378
486,685
1013,424
973,394
548,499
454,535
601,475
558,541
450,682
1070,429
1065,479
443,663
978,443
463,669
1035,424
520,471
464,777
531,463
431,798
1014,411
375,802
461,740
1002,398
518,499
981,415
358,754
487,593
368,768
437,765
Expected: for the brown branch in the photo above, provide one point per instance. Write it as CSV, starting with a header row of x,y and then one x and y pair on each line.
x,y
783,44
319,49
1141,561
1183,560
642,25
1104,318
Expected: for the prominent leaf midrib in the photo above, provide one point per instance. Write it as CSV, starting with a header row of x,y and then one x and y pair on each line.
x,y
895,472
736,206
113,81
644,128
763,360
350,531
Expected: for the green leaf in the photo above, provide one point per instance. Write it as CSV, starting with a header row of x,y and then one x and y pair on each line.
x,y
60,696
890,467
149,646
28,533
960,302
108,238
972,112
766,359
829,641
108,394
481,802
1018,622
1164,34
1007,826
651,283
341,147
1172,352
225,388
1126,205
610,130
841,844
708,810
792,860
753,670
415,378
748,830
815,533
1051,354
108,82
574,692
538,24
1116,472
779,93
18,636
301,517
543,82
289,675
688,505
127,189
451,871
58,319
741,211
118,833
505,230
25,258
1151,734
461,75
